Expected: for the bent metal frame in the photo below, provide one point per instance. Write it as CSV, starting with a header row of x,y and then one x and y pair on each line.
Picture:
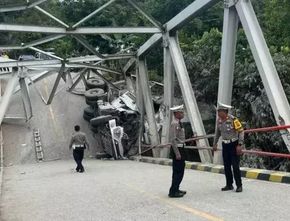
x,y
167,37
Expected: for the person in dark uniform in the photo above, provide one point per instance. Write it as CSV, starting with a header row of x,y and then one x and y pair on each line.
x,y
232,133
78,143
177,137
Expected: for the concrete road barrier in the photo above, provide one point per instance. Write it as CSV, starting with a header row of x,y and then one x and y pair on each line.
x,y
260,174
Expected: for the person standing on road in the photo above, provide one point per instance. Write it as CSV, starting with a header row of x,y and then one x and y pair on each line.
x,y
78,143
232,133
177,138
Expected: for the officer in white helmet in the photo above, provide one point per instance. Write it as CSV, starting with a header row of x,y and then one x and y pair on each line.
x,y
232,133
177,137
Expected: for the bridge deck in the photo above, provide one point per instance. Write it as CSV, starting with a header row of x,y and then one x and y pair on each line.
x,y
127,190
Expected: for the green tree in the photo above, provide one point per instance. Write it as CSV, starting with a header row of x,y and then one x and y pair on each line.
x,y
277,14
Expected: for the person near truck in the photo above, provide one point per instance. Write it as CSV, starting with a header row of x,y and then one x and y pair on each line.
x,y
78,143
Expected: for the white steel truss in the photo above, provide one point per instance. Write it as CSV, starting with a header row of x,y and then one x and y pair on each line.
x,y
21,7
83,31
235,11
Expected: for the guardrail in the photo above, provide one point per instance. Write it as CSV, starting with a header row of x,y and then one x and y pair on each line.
x,y
256,130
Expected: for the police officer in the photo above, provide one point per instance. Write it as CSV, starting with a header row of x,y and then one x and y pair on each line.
x,y
78,143
177,137
232,133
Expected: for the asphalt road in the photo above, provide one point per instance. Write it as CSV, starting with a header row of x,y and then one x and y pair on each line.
x,y
55,122
127,190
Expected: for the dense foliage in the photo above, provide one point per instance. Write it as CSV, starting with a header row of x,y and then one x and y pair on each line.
x,y
200,41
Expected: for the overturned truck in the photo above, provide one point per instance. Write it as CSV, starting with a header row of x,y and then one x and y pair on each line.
x,y
114,120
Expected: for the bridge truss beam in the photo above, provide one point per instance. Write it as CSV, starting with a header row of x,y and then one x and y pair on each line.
x,y
21,7
82,31
234,11
188,96
265,64
148,105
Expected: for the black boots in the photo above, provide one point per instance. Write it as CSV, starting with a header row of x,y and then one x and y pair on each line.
x,y
182,191
239,189
178,194
227,188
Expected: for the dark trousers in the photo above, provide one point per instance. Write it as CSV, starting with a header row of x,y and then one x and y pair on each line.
x,y
78,156
177,174
231,159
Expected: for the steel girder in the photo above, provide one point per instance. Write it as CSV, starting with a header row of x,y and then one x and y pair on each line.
x,y
248,19
148,105
51,16
129,64
188,13
148,44
189,97
128,77
265,64
74,84
258,46
100,56
106,80
177,22
149,17
91,58
59,76
168,99
93,13
73,28
141,107
86,44
70,62
227,64
75,65
21,7
82,31
95,67
11,64
31,44
228,51
46,53
35,78
25,98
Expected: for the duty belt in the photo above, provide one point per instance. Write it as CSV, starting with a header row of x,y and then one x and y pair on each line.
x,y
77,146
180,145
230,141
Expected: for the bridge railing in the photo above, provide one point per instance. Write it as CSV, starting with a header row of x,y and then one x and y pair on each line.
x,y
253,152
